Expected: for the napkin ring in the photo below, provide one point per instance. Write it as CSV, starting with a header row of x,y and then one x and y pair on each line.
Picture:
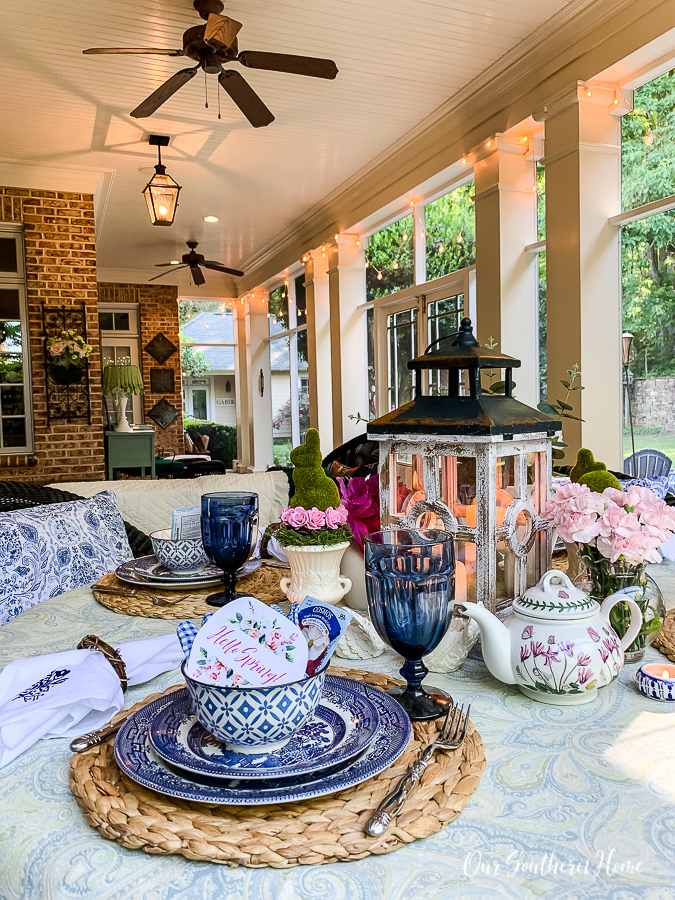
x,y
91,642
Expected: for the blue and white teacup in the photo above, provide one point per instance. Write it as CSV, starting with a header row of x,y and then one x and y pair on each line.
x,y
179,556
255,719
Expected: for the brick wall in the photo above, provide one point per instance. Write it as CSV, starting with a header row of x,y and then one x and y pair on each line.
x,y
653,403
158,312
61,270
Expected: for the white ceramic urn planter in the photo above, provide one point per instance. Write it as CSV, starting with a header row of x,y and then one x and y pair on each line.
x,y
315,572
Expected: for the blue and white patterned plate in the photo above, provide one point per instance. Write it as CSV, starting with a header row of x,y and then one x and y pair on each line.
x,y
148,570
343,726
136,759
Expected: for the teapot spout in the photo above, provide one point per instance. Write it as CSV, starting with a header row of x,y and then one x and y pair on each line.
x,y
495,641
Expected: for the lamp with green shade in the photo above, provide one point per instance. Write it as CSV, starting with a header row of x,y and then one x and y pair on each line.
x,y
120,382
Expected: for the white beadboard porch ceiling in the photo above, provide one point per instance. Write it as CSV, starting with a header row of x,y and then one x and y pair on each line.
x,y
60,110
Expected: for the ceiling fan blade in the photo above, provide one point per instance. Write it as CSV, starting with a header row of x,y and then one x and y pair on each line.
x,y
128,50
246,98
283,62
219,267
158,265
162,274
197,275
221,30
152,103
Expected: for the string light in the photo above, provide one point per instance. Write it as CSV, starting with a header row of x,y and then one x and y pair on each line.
x,y
649,139
489,144
421,234
395,265
367,264
589,92
615,101
379,276
440,248
525,139
337,236
412,202
405,237
459,238
464,160
358,243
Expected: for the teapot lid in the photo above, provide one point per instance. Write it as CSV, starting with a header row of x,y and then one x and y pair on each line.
x,y
555,597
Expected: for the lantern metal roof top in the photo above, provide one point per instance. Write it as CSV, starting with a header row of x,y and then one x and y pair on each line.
x,y
475,413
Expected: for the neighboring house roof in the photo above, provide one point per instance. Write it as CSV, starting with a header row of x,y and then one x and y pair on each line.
x,y
215,327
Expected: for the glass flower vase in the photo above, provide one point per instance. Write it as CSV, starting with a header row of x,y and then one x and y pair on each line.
x,y
601,578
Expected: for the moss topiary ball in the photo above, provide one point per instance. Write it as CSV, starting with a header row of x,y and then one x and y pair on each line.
x,y
312,486
600,479
585,463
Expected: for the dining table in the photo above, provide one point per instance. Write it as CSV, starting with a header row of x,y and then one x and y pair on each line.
x,y
575,801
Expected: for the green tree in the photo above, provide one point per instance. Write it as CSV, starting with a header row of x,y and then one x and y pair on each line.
x,y
188,309
648,245
450,225
389,258
192,362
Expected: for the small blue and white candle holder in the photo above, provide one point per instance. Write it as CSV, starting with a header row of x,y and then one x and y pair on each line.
x,y
657,680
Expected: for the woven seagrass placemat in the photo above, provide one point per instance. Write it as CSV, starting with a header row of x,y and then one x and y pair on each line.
x,y
665,639
311,832
263,584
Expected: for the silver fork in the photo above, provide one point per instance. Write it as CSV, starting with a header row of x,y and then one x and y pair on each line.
x,y
451,737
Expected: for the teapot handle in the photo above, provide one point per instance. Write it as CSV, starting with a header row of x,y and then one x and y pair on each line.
x,y
562,577
635,618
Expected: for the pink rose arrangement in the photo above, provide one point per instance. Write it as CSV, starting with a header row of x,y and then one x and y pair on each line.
x,y
314,519
361,499
629,526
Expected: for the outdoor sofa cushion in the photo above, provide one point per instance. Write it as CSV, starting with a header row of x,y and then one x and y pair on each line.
x,y
48,550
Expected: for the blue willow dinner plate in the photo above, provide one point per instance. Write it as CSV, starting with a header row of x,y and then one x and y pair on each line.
x,y
148,570
137,759
344,724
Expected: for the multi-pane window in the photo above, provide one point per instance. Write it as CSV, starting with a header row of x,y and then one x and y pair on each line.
x,y
401,348
118,334
287,311
648,265
450,229
15,393
443,317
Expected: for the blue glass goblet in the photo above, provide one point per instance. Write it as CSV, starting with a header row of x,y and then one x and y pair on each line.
x,y
410,585
229,523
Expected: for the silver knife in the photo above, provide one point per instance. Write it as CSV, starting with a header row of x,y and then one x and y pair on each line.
x,y
80,744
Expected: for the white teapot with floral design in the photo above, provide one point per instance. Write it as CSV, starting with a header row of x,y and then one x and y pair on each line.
x,y
558,645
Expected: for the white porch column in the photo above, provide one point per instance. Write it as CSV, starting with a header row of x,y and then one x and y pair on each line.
x,y
318,347
506,276
260,383
349,356
242,384
583,262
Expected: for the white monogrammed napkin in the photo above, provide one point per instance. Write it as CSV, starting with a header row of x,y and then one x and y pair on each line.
x,y
70,693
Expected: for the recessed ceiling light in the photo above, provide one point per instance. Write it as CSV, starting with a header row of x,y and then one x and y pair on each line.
x,y
175,262
210,218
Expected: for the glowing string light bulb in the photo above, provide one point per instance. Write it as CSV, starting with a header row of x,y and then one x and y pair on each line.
x,y
379,276
395,265
440,248
649,139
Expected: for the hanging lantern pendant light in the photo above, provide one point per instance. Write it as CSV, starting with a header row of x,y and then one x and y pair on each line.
x,y
161,192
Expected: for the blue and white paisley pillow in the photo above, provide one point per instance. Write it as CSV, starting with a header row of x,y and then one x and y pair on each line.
x,y
48,550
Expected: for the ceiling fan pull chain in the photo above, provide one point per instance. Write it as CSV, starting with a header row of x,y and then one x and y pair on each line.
x,y
218,92
206,90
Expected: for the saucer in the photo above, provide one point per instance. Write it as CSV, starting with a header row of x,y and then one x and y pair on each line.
x,y
148,570
137,759
344,724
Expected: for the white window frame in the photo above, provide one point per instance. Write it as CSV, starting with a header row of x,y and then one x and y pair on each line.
x,y
130,338
17,280
189,383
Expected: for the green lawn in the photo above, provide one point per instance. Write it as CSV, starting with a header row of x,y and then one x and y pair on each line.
x,y
663,442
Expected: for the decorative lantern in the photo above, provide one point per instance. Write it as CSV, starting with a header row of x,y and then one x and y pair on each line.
x,y
161,192
478,462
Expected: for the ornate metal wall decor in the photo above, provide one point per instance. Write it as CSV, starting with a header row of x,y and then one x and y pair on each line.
x,y
161,348
477,465
68,396
162,381
164,413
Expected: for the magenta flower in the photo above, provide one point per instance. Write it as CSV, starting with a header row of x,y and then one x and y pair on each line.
x,y
593,634
584,676
604,654
583,659
527,633
537,648
524,654
361,499
566,647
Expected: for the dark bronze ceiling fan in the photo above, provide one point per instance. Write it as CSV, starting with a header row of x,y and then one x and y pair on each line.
x,y
194,261
210,46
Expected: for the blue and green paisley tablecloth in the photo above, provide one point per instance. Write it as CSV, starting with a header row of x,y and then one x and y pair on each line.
x,y
575,802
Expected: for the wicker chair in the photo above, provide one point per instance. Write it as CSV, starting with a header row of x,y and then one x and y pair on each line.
x,y
20,495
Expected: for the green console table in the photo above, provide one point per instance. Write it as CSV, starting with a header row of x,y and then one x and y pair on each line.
x,y
129,450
